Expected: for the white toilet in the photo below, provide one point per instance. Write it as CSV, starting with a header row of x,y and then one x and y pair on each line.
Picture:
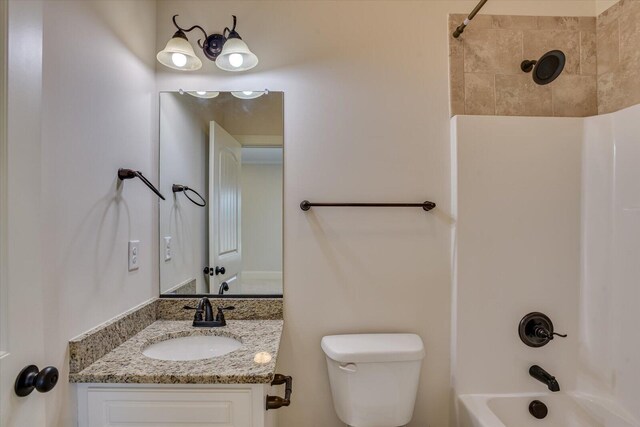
x,y
374,377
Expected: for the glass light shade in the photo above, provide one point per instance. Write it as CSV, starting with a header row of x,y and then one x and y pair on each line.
x,y
203,94
249,94
236,56
179,55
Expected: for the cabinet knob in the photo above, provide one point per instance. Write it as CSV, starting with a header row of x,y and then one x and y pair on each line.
x,y
220,270
32,378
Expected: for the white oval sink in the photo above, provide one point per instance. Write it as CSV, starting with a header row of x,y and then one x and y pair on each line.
x,y
194,347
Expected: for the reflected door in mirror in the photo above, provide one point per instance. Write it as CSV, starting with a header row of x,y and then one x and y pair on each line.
x,y
225,240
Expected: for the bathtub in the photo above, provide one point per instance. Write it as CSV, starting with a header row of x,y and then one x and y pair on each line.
x,y
565,410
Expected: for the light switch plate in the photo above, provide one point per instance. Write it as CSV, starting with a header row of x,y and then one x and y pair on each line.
x,y
134,254
167,248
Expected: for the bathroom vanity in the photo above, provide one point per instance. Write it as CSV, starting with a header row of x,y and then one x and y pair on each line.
x,y
150,366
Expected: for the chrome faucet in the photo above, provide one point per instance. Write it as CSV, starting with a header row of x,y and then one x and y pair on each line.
x,y
204,308
544,377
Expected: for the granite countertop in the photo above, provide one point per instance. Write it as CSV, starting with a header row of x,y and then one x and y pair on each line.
x,y
127,364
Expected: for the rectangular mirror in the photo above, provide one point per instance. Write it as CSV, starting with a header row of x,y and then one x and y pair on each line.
x,y
221,170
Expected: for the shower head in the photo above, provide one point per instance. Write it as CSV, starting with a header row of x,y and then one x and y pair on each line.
x,y
547,68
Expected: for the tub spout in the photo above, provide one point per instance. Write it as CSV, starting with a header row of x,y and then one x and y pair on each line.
x,y
544,377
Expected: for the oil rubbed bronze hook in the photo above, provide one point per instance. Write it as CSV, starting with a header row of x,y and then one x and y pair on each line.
x,y
130,173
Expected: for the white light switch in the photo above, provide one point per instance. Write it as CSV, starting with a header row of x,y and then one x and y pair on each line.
x,y
134,252
167,248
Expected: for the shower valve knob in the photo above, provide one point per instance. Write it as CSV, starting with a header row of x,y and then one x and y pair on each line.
x,y
536,330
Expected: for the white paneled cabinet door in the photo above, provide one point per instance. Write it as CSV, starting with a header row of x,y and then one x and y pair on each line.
x,y
21,306
169,408
224,217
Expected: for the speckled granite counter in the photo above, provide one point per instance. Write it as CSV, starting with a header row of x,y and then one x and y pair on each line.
x,y
112,352
127,364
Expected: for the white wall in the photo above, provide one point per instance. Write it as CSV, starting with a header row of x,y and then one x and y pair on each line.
x,y
184,153
366,118
609,362
261,217
99,109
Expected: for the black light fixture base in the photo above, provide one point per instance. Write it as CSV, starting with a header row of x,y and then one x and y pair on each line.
x,y
212,46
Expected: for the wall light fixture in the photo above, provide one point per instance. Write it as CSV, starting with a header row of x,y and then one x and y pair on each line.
x,y
249,94
228,50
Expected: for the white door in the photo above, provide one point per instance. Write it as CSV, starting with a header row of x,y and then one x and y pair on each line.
x,y
224,217
21,305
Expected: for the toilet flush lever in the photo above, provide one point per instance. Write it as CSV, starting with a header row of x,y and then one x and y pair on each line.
x,y
349,367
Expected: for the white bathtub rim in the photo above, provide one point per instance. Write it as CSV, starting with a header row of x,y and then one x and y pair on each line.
x,y
609,404
477,406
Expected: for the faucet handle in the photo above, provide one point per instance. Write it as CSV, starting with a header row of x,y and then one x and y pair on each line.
x,y
198,315
220,314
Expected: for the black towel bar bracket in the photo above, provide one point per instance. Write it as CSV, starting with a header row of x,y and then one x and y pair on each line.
x,y
130,173
305,205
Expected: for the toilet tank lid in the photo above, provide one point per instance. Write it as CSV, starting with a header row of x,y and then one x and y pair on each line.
x,y
373,348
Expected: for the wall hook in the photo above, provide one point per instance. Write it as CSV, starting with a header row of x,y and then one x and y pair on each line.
x,y
130,173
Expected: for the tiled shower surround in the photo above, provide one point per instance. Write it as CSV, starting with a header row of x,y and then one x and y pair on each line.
x,y
603,55
485,66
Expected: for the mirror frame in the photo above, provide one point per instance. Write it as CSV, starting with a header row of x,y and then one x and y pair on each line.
x,y
218,296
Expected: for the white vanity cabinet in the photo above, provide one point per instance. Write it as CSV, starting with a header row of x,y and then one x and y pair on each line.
x,y
179,405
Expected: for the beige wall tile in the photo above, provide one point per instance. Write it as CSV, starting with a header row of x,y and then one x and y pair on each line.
x,y
518,95
587,23
629,28
482,22
608,16
488,50
456,47
608,47
574,96
558,23
538,42
514,22
618,53
588,57
627,85
456,84
479,92
609,93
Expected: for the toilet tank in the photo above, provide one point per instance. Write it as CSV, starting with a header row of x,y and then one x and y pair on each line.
x,y
374,377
